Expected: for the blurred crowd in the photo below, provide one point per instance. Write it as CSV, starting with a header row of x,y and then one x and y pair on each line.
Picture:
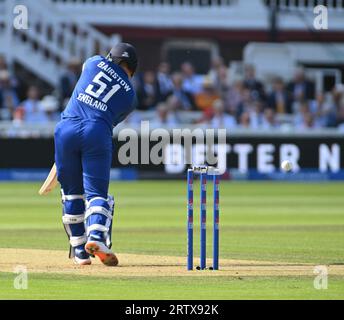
x,y
244,102
30,108
214,99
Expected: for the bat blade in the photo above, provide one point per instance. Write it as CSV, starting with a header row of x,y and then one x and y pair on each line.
x,y
50,182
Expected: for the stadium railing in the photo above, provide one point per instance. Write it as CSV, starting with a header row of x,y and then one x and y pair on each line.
x,y
51,40
337,5
192,3
10,129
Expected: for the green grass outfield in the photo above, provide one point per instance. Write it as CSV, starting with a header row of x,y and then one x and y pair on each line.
x,y
284,222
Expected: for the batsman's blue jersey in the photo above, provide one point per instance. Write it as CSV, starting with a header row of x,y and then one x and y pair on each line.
x,y
103,93
102,98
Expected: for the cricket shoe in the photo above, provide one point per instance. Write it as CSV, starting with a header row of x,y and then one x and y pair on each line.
x,y
81,257
99,249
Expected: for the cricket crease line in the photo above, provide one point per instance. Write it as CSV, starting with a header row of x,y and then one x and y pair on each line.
x,y
140,265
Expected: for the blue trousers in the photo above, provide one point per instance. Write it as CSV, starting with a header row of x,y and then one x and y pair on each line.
x,y
83,154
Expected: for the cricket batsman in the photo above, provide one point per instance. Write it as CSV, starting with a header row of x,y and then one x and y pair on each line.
x,y
102,98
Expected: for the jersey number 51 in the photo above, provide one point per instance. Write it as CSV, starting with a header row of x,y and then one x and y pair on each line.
x,y
102,87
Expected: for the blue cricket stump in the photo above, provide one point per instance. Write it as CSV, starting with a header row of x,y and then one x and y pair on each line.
x,y
204,172
216,181
203,222
190,219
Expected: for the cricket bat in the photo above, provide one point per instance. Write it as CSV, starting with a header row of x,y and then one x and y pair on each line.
x,y
50,182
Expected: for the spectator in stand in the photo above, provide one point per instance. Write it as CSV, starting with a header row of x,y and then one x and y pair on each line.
x,y
185,99
216,64
164,81
337,95
234,97
4,67
165,117
299,115
9,98
1,103
3,64
337,99
304,119
250,115
204,100
246,104
308,122
136,80
279,99
192,82
18,117
172,103
300,88
253,107
134,119
33,111
50,105
254,85
222,81
148,92
256,114
340,118
69,80
323,111
245,121
220,118
269,119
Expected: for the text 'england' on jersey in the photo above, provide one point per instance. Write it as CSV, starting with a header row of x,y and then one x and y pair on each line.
x,y
102,92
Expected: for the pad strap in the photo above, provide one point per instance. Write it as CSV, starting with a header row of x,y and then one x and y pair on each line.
x,y
71,197
98,210
98,227
73,219
95,198
77,241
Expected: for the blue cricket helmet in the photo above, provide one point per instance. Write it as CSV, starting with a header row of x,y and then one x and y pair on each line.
x,y
124,52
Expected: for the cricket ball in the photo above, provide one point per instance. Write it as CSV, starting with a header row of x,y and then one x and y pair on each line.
x,y
286,165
